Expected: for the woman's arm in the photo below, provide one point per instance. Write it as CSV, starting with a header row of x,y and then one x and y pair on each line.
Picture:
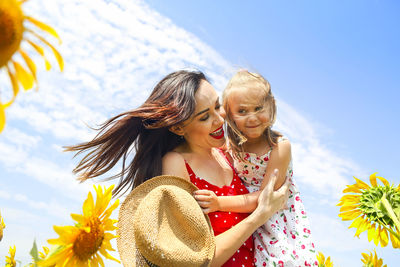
x,y
279,159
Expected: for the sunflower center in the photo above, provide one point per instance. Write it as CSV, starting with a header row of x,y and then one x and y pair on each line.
x,y
11,29
372,207
87,243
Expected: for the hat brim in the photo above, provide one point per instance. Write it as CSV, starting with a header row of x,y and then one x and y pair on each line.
x,y
125,233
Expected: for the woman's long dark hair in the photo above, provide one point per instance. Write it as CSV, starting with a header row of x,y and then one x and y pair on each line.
x,y
145,130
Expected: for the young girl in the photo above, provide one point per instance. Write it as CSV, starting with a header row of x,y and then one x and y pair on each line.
x,y
285,239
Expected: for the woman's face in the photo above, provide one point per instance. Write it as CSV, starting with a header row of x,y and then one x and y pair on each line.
x,y
204,128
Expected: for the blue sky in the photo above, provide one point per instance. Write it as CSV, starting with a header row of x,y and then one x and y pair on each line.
x,y
332,66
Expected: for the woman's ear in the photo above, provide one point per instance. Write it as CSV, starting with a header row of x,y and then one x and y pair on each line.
x,y
177,129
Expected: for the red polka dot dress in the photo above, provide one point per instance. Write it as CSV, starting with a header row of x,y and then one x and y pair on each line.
x,y
222,221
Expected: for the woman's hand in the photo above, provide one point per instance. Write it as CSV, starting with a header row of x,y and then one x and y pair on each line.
x,y
270,201
207,200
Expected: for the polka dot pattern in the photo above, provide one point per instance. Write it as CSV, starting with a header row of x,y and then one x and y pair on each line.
x,y
222,221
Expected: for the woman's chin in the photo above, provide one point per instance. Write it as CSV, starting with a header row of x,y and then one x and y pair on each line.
x,y
219,142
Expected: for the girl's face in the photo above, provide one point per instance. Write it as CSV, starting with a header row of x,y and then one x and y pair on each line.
x,y
249,112
204,128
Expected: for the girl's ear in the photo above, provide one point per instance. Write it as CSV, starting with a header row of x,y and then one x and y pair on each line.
x,y
177,129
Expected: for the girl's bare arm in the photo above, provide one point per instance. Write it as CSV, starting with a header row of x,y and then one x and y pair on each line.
x,y
279,159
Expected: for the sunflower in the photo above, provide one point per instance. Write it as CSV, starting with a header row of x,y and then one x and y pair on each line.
x,y
82,244
38,255
372,260
2,226
375,209
16,28
45,252
322,262
10,261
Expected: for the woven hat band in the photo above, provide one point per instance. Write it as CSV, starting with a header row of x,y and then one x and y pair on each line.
x,y
170,230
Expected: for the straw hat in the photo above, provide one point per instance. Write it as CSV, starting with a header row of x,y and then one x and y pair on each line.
x,y
161,224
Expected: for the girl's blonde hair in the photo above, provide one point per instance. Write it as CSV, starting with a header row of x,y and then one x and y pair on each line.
x,y
246,79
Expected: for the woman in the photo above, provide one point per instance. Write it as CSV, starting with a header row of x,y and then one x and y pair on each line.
x,y
177,131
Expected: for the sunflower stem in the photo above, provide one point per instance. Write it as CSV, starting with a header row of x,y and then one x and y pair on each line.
x,y
390,211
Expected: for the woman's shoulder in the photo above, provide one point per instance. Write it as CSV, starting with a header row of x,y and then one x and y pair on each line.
x,y
173,163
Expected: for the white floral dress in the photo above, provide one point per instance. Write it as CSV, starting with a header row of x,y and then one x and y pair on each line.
x,y
285,239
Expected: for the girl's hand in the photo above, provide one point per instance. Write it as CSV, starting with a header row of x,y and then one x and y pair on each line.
x,y
207,200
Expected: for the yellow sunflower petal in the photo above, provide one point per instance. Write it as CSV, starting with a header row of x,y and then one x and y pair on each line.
x,y
56,254
328,262
371,232
350,198
383,236
78,218
372,179
377,235
2,117
356,222
349,207
29,62
363,226
320,257
361,184
350,215
44,27
395,241
102,200
365,257
57,54
67,235
100,260
15,86
107,255
352,189
40,50
109,225
383,180
24,77
88,206
111,209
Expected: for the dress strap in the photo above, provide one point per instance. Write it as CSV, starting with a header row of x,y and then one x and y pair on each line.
x,y
227,160
282,138
189,170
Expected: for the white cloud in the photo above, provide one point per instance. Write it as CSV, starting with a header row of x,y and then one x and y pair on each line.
x,y
21,139
333,238
4,194
51,207
333,234
316,167
12,155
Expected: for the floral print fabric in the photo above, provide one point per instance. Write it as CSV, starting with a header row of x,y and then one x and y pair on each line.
x,y
285,239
